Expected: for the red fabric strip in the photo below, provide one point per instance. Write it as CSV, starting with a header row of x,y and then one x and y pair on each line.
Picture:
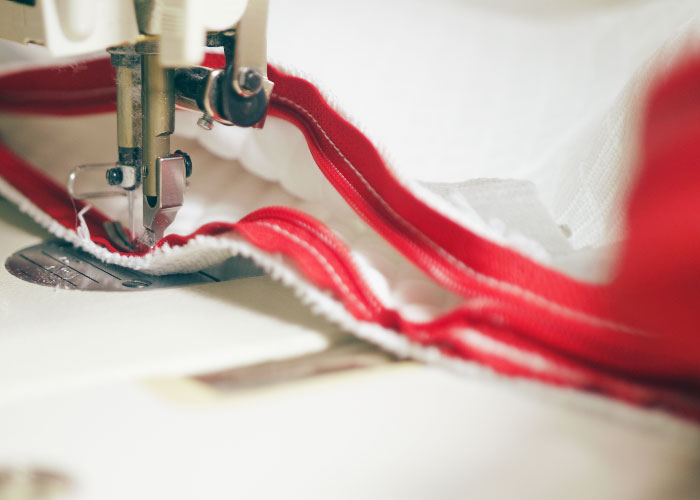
x,y
560,331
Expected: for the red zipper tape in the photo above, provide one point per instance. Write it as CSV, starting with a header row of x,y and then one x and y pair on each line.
x,y
518,317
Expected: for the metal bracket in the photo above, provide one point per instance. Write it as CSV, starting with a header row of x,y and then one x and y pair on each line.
x,y
159,211
250,50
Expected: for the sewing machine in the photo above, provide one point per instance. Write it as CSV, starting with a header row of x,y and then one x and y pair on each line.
x,y
116,395
155,48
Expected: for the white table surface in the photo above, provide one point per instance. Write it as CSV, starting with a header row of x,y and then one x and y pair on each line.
x,y
87,393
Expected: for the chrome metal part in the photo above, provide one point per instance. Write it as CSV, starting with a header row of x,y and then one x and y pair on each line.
x,y
196,89
158,111
206,122
159,211
208,97
60,265
126,174
163,176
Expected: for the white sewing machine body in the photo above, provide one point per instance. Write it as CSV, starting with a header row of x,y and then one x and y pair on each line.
x,y
75,27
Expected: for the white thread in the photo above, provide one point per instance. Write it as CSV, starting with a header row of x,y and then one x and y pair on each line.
x,y
331,244
326,265
532,360
83,231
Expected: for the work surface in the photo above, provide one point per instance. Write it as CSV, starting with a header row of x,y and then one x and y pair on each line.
x,y
93,385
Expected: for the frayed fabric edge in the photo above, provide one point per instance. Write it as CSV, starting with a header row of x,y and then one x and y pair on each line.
x,y
192,256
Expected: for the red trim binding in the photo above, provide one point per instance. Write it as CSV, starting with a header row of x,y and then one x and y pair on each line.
x,y
518,317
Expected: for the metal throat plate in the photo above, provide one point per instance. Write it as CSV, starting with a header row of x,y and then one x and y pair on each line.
x,y
60,265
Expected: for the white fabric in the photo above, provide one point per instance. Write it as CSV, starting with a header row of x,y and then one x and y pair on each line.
x,y
454,91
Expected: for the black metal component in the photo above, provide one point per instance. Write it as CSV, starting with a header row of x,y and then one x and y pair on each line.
x,y
190,91
129,156
250,80
224,102
188,161
240,110
190,86
115,176
225,39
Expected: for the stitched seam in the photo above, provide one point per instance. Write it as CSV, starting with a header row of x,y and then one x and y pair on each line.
x,y
437,269
389,339
332,246
324,262
510,288
529,359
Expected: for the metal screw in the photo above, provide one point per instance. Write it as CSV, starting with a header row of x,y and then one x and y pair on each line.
x,y
250,80
115,176
205,122
188,161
